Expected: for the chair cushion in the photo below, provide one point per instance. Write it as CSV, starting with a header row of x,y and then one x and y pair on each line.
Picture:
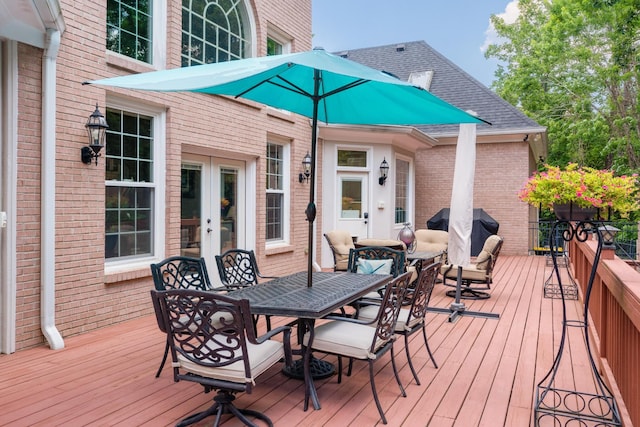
x,y
344,338
489,247
370,312
431,240
341,241
382,242
468,273
261,358
482,261
374,266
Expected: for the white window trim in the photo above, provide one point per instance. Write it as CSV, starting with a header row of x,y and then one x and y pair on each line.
x,y
279,36
158,39
159,180
286,190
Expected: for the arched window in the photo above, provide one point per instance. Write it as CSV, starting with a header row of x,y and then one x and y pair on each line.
x,y
214,31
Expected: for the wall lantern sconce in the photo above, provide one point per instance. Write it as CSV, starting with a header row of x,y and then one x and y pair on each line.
x,y
96,128
384,171
608,234
306,167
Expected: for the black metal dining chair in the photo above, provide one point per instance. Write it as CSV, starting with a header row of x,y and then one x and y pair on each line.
x,y
178,272
238,268
361,339
213,343
412,316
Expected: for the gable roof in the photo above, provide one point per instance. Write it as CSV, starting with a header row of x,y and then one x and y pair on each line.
x,y
448,82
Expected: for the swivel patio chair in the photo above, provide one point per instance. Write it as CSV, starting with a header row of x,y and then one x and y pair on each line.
x,y
432,241
340,242
357,339
238,268
178,272
477,277
412,319
213,343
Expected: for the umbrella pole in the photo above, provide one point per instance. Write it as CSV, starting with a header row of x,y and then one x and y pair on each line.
x,y
311,207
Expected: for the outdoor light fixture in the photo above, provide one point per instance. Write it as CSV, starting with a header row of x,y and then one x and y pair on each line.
x,y
608,234
97,129
384,171
306,167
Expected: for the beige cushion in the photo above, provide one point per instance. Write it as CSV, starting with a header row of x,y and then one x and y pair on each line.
x,y
381,242
431,240
489,247
345,338
261,358
482,261
370,312
341,241
470,272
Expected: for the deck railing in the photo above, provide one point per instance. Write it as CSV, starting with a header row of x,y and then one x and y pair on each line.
x,y
614,311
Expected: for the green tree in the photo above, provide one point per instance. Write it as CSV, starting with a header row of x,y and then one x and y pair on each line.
x,y
572,65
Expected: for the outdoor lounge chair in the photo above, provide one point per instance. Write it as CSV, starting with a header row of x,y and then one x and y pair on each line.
x,y
479,274
213,343
340,241
412,316
432,241
178,272
364,340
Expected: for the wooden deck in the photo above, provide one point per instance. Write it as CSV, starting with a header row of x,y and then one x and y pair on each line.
x,y
488,369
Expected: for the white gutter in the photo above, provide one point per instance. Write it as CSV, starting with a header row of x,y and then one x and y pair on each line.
x,y
48,193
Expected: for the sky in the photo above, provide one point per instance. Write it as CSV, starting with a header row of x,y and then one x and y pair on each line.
x,y
458,29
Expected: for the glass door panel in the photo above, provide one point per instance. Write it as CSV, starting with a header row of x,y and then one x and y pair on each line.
x,y
191,210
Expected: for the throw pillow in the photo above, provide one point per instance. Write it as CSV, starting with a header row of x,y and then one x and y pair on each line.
x,y
374,266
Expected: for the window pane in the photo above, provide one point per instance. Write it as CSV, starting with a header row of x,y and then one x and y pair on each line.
x,y
402,191
128,209
273,47
275,196
352,158
351,199
213,31
274,216
129,28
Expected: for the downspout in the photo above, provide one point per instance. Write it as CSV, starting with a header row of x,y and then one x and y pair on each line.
x,y
48,193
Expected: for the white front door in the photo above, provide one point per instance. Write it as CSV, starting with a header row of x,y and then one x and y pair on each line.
x,y
353,203
213,208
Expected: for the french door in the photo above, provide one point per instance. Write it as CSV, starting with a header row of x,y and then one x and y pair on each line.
x,y
213,207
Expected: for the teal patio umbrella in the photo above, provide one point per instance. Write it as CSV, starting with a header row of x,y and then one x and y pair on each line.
x,y
316,84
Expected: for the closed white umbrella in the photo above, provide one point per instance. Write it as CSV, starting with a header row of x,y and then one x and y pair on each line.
x,y
461,214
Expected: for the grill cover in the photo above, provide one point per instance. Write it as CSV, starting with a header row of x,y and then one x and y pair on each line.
x,y
483,227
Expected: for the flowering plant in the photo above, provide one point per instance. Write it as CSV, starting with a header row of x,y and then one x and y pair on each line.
x,y
582,186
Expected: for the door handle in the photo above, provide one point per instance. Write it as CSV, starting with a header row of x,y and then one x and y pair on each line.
x,y
365,215
209,229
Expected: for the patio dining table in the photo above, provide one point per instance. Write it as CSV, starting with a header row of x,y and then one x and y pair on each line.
x,y
289,296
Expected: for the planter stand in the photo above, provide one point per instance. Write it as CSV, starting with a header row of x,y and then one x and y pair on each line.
x,y
563,407
551,287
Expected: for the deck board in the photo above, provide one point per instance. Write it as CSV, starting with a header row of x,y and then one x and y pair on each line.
x,y
488,371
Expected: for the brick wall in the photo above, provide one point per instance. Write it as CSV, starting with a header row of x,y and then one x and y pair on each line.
x,y
86,298
501,169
